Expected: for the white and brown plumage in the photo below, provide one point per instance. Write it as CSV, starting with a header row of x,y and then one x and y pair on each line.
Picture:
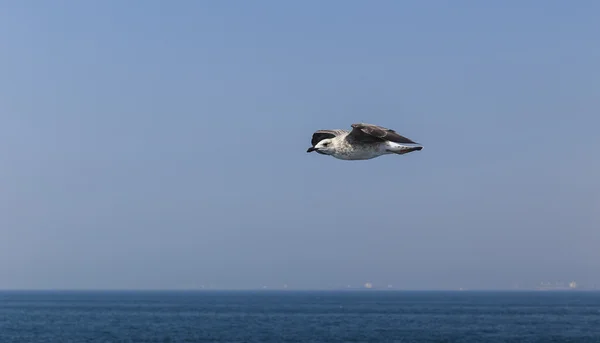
x,y
364,142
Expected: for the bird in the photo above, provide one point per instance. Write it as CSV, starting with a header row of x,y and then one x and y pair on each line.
x,y
363,142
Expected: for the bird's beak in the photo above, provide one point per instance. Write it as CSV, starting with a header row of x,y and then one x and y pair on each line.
x,y
311,149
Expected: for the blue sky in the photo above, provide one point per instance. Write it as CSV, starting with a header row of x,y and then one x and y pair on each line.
x,y
154,144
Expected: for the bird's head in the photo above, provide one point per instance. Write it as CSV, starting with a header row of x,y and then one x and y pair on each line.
x,y
325,146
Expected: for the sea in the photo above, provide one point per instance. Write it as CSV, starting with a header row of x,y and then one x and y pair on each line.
x,y
298,316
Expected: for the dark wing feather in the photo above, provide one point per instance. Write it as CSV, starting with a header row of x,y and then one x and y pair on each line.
x,y
368,132
320,135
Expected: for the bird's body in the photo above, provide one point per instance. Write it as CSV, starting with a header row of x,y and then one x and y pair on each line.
x,y
364,142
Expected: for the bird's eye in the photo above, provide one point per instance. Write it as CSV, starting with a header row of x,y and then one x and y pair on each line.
x,y
325,144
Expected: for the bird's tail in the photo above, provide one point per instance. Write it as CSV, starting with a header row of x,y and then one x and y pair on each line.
x,y
403,149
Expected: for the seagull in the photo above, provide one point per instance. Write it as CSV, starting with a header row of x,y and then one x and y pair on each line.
x,y
363,142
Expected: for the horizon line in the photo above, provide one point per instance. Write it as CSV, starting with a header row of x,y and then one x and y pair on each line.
x,y
174,290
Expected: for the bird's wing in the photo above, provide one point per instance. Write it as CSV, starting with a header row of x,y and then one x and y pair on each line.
x,y
320,135
369,132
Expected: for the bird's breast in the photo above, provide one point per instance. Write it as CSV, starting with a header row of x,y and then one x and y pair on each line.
x,y
358,153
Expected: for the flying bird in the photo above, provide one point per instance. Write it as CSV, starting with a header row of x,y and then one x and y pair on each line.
x,y
363,142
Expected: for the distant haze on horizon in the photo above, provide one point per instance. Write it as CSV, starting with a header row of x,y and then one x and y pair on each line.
x,y
156,145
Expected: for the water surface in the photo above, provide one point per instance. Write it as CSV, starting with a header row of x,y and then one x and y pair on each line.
x,y
269,316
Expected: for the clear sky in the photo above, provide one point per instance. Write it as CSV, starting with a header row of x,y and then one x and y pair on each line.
x,y
162,144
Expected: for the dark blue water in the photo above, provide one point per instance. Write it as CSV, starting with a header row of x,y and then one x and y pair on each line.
x,y
299,317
